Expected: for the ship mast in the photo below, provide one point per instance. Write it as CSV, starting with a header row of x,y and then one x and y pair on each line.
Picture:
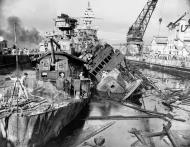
x,y
88,16
15,44
17,72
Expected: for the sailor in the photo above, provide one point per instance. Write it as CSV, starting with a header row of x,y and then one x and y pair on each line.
x,y
24,80
24,85
60,81
66,85
81,76
77,88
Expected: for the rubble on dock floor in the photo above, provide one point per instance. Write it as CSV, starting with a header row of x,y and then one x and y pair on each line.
x,y
165,127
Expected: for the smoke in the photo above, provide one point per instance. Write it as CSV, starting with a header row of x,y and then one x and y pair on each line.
x,y
28,38
1,3
25,37
1,10
4,4
188,2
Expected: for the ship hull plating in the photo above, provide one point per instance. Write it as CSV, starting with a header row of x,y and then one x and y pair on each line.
x,y
33,130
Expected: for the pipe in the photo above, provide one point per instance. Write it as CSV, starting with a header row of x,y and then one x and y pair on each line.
x,y
120,117
52,52
57,44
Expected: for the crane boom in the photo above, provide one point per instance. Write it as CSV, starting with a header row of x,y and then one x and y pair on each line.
x,y
172,25
137,30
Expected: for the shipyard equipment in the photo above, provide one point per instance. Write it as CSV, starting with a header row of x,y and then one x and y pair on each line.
x,y
172,25
137,30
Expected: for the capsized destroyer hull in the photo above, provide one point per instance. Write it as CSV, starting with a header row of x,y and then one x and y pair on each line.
x,y
115,85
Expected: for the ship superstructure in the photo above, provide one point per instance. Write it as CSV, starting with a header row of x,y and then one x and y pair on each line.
x,y
87,32
69,33
105,64
64,31
100,58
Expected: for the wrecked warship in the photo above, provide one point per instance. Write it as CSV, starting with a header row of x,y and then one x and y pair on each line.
x,y
41,116
113,77
35,121
106,66
102,61
34,111
72,63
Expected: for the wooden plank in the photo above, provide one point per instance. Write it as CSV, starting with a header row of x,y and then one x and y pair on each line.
x,y
139,136
170,136
96,132
159,114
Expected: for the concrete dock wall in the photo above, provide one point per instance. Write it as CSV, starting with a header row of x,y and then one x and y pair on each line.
x,y
183,72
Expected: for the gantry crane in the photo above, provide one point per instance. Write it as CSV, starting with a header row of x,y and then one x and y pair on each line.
x,y
137,30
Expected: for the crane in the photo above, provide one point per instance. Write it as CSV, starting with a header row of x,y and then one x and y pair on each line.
x,y
137,30
172,25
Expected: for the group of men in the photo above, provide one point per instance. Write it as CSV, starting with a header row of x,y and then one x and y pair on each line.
x,y
64,84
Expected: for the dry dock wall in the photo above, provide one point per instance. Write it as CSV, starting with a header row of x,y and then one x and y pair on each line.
x,y
176,71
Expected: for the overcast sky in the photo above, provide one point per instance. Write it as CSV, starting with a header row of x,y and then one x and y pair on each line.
x,y
116,15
